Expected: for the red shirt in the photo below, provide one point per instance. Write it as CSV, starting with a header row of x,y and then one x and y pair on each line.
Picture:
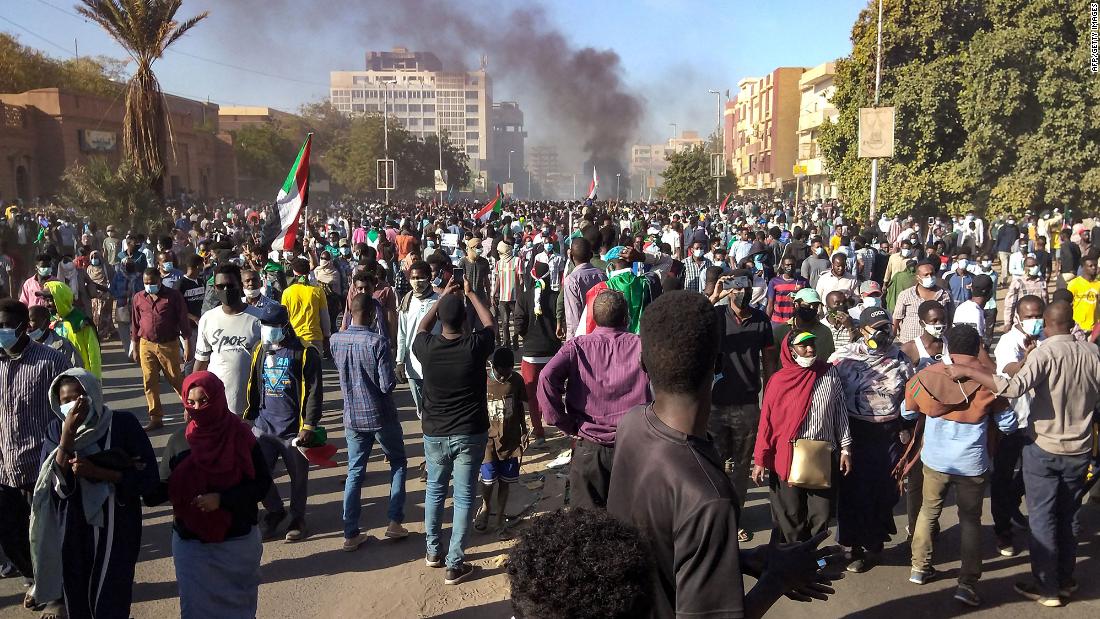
x,y
159,319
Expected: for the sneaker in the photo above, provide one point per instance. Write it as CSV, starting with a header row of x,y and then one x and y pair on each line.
x,y
1031,592
433,560
967,595
918,577
1068,588
353,543
296,531
396,531
269,524
539,441
863,563
458,574
1005,547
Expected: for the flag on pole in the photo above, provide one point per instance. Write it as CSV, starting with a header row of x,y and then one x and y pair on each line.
x,y
292,198
494,206
722,209
594,185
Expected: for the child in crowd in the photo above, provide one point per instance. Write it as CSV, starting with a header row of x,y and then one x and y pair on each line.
x,y
507,436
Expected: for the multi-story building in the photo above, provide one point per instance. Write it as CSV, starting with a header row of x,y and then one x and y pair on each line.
x,y
507,157
542,161
43,132
816,88
647,161
761,131
413,88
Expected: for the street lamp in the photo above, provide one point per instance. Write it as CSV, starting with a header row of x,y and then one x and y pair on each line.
x,y
617,175
674,126
719,147
510,153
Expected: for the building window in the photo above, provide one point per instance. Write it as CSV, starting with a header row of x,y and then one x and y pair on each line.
x,y
429,122
429,108
471,94
358,107
414,107
471,122
413,121
372,107
471,109
471,150
471,135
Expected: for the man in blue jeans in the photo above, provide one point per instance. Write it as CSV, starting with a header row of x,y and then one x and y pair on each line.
x,y
362,357
456,418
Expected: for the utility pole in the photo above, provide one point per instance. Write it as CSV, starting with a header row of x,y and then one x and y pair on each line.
x,y
386,131
878,83
510,153
617,175
439,141
718,148
574,186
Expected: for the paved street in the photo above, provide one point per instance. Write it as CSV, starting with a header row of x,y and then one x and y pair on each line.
x,y
314,578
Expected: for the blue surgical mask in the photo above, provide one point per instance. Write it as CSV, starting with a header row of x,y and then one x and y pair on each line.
x,y
168,266
549,247
431,244
45,271
36,334
271,335
67,408
152,288
1032,326
96,262
8,338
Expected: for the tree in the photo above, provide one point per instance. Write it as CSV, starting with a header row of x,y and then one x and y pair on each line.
x,y
264,154
145,29
688,180
26,69
104,193
992,111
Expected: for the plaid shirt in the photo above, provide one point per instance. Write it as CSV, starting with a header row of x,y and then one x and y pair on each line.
x,y
695,274
367,379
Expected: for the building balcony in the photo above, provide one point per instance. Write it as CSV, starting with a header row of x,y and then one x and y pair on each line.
x,y
817,74
814,166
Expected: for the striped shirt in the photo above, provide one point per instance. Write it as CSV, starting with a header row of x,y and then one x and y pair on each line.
x,y
504,280
827,419
25,411
780,291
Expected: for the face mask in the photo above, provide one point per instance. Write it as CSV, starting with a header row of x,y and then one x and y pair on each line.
x,y
878,342
252,293
431,244
345,250
698,253
45,271
906,252
961,265
419,285
807,314
228,296
8,338
928,281
935,331
805,361
96,262
152,288
1033,271
871,301
67,408
986,264
271,335
36,334
1032,326
168,266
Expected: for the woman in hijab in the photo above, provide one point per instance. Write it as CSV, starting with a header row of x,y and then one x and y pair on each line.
x,y
873,371
537,323
803,400
73,324
86,507
99,278
331,280
215,478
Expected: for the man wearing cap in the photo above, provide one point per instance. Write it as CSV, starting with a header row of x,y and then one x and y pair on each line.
x,y
807,307
478,277
110,246
746,349
870,294
284,403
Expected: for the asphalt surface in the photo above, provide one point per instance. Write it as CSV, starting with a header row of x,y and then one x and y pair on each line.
x,y
386,578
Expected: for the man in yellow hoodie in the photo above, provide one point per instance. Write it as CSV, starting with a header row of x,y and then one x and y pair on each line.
x,y
72,324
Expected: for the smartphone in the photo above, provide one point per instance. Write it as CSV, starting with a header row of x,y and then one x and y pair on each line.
x,y
457,274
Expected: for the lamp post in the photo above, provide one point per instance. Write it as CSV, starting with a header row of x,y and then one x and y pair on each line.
x,y
510,153
574,186
674,126
617,175
719,147
878,82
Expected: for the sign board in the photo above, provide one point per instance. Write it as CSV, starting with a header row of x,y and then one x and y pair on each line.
x,y
441,180
507,188
385,174
799,170
481,182
717,165
876,132
448,239
92,141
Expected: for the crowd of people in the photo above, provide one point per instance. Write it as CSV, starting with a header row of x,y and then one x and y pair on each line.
x,y
686,352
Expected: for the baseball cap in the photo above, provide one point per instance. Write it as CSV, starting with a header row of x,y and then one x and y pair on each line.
x,y
874,317
274,315
807,295
803,337
343,242
867,288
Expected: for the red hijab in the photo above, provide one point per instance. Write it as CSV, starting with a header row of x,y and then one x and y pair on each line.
x,y
221,456
786,403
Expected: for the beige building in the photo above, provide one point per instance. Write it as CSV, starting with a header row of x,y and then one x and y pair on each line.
x,y
761,131
816,88
647,161
414,88
233,117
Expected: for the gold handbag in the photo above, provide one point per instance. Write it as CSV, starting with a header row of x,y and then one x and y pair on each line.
x,y
811,464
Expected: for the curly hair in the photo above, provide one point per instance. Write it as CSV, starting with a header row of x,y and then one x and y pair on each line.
x,y
680,340
580,564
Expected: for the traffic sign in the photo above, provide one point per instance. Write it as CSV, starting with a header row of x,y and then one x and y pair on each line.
x,y
441,180
799,170
876,132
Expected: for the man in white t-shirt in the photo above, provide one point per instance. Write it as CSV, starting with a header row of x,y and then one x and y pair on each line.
x,y
227,335
1006,486
972,311
672,237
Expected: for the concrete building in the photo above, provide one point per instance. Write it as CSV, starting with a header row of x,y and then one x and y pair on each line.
x,y
508,146
816,88
231,118
546,174
44,131
413,88
647,161
761,131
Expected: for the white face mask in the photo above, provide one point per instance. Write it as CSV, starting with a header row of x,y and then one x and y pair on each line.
x,y
67,408
905,252
935,331
961,265
871,301
251,293
986,264
928,281
804,361
1033,271
1032,326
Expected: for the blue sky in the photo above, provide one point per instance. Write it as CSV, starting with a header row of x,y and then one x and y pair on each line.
x,y
672,51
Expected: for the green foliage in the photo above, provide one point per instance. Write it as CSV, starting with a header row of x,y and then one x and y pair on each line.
x,y
995,108
25,68
264,154
687,179
107,194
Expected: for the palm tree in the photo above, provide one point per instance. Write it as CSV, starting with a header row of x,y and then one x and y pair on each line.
x,y
145,29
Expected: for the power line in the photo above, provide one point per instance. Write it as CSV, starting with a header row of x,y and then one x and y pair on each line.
x,y
202,58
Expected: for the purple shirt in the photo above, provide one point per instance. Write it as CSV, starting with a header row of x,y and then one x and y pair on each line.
x,y
601,378
576,287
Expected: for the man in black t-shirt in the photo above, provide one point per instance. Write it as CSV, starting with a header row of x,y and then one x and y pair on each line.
x,y
456,418
193,288
667,480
